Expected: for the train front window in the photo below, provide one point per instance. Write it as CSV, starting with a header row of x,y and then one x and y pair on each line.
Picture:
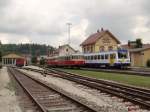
x,y
112,56
122,54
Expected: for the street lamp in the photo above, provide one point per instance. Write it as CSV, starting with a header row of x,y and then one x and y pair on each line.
x,y
69,25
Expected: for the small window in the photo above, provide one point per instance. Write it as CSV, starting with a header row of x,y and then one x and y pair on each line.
x,y
101,48
67,50
86,58
95,57
99,57
106,56
102,57
84,49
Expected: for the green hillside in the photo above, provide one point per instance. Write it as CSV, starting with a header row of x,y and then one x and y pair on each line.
x,y
35,49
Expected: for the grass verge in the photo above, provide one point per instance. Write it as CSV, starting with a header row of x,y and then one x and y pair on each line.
x,y
140,81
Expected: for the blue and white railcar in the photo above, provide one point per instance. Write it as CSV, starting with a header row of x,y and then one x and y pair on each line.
x,y
117,58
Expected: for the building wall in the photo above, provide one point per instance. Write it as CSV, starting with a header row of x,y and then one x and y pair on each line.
x,y
106,42
146,56
136,59
66,50
139,59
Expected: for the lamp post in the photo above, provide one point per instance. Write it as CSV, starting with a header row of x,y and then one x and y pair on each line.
x,y
69,26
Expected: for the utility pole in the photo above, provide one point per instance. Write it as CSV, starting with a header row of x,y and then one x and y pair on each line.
x,y
69,25
30,52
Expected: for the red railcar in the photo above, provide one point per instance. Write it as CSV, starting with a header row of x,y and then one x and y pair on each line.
x,y
75,60
20,62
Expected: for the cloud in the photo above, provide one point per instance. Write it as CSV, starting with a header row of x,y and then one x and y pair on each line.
x,y
44,21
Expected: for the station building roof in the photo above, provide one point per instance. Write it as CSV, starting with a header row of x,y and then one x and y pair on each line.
x,y
139,49
94,37
12,55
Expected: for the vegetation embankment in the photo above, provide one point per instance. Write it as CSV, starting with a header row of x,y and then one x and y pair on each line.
x,y
140,81
34,49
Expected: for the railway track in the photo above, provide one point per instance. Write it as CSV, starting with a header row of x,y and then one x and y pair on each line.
x,y
45,98
138,96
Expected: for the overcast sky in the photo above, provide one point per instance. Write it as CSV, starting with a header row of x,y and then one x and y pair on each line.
x,y
44,21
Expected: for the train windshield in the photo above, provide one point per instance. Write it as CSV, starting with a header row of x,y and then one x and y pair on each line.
x,y
122,54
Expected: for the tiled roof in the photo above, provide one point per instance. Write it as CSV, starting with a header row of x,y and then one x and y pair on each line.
x,y
63,46
12,56
127,47
139,49
94,37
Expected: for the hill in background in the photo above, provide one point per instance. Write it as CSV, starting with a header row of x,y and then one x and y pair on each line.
x,y
35,49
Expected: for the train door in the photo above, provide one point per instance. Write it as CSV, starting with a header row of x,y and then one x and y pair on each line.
x,y
112,59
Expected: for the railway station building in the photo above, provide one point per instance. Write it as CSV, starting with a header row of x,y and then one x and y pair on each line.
x,y
62,50
11,59
139,56
102,40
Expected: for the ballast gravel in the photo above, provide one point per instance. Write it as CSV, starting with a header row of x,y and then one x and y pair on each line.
x,y
8,99
101,102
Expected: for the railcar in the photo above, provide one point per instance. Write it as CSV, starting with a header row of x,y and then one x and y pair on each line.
x,y
73,60
20,62
116,58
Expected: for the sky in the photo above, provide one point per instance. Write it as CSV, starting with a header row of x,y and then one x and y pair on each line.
x,y
45,21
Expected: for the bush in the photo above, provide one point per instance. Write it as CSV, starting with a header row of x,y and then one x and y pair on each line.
x,y
34,60
42,61
148,63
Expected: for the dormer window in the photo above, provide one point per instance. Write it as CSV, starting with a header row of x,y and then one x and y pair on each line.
x,y
67,50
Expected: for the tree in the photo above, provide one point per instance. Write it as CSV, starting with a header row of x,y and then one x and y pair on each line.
x,y
34,60
139,43
42,61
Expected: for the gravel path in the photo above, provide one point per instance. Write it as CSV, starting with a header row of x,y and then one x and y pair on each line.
x,y
8,100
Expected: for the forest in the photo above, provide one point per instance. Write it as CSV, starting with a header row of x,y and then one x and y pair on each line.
x,y
34,49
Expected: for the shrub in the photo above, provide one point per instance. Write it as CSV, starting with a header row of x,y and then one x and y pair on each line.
x,y
148,63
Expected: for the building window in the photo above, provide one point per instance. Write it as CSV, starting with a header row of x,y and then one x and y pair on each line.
x,y
67,50
88,49
101,48
84,49
110,48
91,49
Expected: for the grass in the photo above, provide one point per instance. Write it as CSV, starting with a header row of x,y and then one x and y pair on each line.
x,y
140,81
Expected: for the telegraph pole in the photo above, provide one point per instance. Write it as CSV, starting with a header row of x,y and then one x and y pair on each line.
x,y
69,25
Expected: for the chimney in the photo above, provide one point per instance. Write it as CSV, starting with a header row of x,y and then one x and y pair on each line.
x,y
102,29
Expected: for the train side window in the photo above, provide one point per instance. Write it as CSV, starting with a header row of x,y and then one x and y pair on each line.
x,y
98,57
86,57
106,56
95,57
91,57
102,57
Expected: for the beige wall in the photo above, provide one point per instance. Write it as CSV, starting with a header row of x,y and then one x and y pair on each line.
x,y
136,59
140,58
66,50
105,41
146,56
